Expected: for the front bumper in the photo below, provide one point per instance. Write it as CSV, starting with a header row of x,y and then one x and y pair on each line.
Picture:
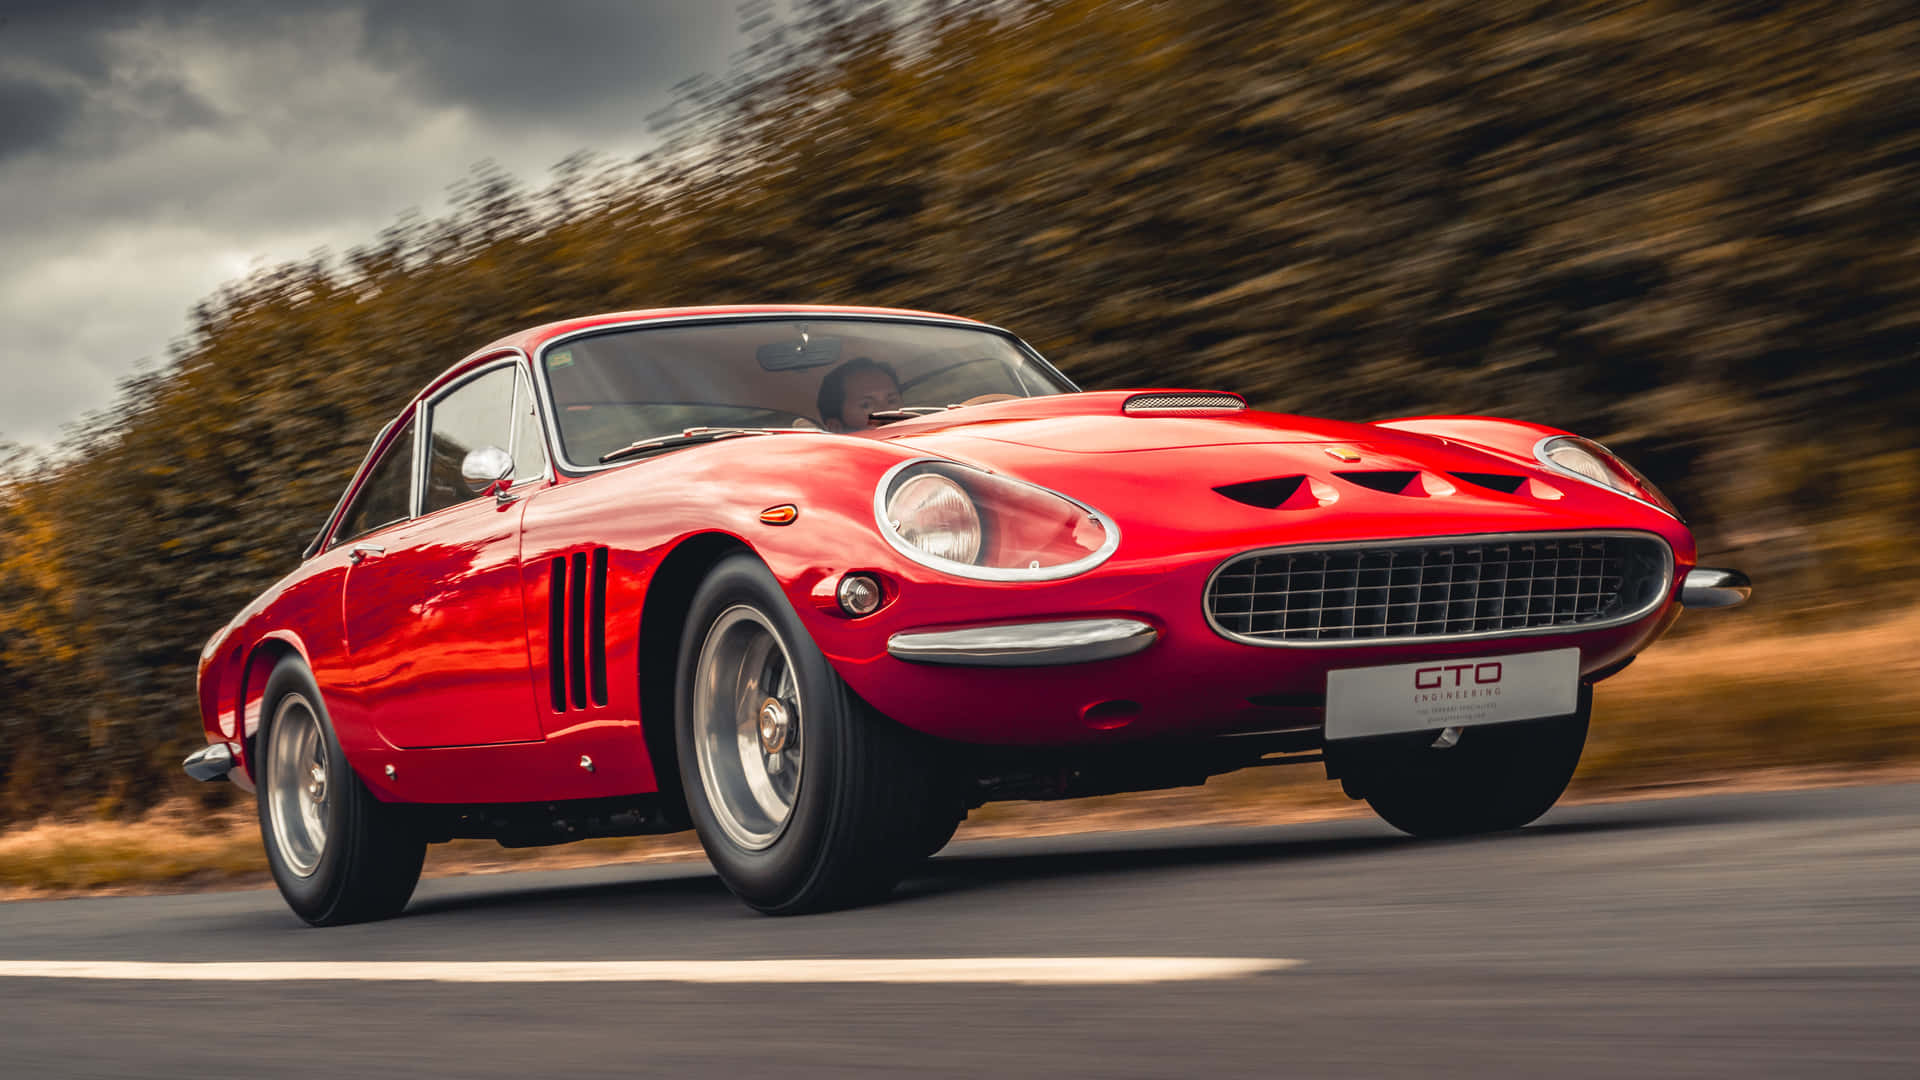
x,y
1184,680
1038,644
211,762
1707,587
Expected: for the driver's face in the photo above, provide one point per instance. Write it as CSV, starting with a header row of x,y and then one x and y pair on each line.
x,y
868,391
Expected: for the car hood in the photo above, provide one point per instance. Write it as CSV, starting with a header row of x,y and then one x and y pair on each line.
x,y
1097,423
1091,433
1194,475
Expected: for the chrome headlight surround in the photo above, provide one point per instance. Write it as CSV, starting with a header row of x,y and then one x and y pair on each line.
x,y
955,472
1614,474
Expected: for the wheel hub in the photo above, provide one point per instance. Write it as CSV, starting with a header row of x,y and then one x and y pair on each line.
x,y
773,726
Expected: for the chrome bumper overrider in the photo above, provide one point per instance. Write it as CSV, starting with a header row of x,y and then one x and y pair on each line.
x,y
1706,587
211,762
1071,641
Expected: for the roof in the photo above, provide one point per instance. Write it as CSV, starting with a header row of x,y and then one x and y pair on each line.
x,y
534,337
531,339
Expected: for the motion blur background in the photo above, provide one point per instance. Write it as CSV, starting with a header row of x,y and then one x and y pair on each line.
x,y
1685,229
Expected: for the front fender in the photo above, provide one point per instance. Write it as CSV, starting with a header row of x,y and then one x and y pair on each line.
x,y
1513,439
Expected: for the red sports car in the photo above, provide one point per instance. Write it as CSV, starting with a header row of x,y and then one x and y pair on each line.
x,y
816,581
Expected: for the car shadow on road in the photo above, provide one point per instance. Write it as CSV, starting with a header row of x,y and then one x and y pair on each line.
x,y
691,888
964,870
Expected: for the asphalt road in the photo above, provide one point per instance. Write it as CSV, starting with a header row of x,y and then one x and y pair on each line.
x,y
1745,935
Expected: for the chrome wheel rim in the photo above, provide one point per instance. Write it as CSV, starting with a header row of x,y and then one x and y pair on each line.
x,y
747,729
297,795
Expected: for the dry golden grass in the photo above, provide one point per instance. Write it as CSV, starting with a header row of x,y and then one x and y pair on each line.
x,y
1735,705
1738,697
174,847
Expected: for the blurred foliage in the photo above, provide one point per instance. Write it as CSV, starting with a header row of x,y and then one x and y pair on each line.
x,y
1685,229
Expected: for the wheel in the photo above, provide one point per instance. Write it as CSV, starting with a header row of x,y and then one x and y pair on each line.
x,y
1494,778
803,797
338,854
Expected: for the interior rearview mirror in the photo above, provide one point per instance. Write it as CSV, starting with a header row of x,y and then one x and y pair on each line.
x,y
807,351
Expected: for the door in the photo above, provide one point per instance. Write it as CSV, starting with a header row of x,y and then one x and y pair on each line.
x,y
436,630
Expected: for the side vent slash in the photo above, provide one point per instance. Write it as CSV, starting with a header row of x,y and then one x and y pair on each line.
x,y
577,630
597,628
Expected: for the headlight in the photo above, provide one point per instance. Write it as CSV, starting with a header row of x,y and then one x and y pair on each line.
x,y
935,515
972,523
1595,464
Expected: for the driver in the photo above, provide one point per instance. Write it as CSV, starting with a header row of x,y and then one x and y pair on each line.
x,y
856,390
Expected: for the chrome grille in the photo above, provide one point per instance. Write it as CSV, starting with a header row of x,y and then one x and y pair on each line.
x,y
1465,587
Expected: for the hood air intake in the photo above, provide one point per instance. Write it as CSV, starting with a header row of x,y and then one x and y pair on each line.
x,y
1183,404
1496,481
1393,483
1265,494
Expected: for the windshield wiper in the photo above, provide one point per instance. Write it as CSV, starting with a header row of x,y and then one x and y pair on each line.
x,y
692,436
906,412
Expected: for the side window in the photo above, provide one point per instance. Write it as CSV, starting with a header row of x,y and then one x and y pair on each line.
x,y
477,413
387,496
529,451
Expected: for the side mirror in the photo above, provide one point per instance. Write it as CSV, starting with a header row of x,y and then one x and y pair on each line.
x,y
486,468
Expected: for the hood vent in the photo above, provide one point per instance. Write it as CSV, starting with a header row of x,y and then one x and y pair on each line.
x,y
1186,403
1391,482
1265,494
1497,481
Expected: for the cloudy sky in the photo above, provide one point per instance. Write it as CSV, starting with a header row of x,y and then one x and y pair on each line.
x,y
152,149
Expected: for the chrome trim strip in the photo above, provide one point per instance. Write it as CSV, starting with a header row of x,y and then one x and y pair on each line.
x,y
1660,595
559,460
1071,641
417,498
891,477
1540,456
1710,587
211,762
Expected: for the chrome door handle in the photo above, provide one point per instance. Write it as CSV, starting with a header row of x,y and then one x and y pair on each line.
x,y
358,553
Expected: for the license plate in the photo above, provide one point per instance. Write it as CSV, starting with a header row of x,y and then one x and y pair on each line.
x,y
1451,693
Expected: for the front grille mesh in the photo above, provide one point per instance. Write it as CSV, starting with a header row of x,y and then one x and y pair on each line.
x,y
1436,589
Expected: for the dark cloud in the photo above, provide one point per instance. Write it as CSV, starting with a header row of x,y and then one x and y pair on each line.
x,y
513,61
530,61
151,149
31,115
64,83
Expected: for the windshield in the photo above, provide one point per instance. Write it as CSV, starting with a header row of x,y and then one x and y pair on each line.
x,y
614,389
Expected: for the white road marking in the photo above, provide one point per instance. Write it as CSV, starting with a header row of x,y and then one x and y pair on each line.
x,y
1015,969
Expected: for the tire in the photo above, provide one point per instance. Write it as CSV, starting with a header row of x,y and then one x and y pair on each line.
x,y
341,855
844,812
1495,778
